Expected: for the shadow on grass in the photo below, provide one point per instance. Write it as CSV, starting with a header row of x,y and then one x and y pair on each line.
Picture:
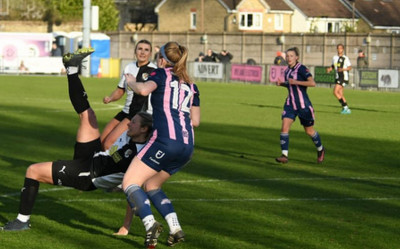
x,y
332,209
348,185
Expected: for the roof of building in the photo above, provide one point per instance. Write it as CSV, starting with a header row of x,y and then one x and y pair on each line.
x,y
323,8
273,4
380,12
278,5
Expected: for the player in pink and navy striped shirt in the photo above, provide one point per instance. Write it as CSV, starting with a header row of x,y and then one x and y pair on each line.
x,y
171,145
297,79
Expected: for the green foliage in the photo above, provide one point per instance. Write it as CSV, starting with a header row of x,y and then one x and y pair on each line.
x,y
232,194
71,9
349,27
108,14
54,12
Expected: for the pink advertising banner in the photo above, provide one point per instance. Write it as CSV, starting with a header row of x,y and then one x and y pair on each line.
x,y
277,72
246,72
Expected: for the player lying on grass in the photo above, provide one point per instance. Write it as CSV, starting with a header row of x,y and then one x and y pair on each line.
x,y
90,168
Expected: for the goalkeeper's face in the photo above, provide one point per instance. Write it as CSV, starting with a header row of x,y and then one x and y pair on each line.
x,y
134,126
143,52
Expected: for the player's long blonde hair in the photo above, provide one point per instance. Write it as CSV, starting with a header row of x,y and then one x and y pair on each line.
x,y
176,57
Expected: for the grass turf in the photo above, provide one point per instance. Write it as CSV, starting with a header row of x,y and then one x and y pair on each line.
x,y
232,194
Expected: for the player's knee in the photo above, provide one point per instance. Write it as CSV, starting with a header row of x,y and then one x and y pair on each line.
x,y
148,186
310,132
32,171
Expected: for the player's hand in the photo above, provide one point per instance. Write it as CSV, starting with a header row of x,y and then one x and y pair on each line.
x,y
328,69
122,231
130,78
106,100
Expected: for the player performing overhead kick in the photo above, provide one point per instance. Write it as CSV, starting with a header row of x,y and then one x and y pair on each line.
x,y
90,168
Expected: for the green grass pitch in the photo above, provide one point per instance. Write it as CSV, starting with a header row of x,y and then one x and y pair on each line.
x,y
232,194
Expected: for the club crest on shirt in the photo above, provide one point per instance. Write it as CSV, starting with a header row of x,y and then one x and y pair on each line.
x,y
128,153
145,76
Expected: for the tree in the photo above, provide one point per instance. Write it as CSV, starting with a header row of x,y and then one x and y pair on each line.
x,y
58,11
66,10
108,15
51,15
55,12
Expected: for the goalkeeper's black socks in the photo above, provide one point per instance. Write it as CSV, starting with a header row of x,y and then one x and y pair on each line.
x,y
28,196
77,93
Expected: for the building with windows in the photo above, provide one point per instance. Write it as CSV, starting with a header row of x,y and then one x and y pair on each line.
x,y
316,16
224,16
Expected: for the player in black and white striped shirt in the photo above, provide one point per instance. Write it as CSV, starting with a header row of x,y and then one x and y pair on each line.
x,y
141,69
341,64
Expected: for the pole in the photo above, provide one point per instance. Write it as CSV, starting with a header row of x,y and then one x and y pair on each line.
x,y
86,36
202,16
354,24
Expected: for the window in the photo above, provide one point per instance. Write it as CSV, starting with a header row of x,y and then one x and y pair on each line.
x,y
250,21
333,27
193,20
278,22
329,28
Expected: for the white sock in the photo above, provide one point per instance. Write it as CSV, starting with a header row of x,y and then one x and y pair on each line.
x,y
148,222
72,70
285,153
320,148
23,218
173,223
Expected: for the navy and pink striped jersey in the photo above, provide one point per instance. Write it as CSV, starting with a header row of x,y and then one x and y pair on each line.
x,y
297,97
171,103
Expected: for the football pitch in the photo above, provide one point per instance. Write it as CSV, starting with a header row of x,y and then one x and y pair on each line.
x,y
232,194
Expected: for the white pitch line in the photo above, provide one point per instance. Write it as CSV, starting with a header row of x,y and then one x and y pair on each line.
x,y
40,191
237,180
315,199
288,179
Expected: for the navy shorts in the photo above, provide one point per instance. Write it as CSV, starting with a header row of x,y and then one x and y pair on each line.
x,y
165,154
305,115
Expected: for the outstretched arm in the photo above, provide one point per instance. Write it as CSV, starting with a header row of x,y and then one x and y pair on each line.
x,y
114,96
124,230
